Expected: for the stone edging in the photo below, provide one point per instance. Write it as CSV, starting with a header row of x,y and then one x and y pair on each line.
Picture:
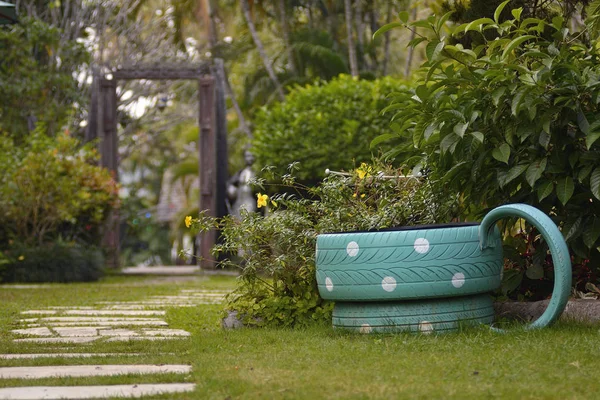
x,y
579,310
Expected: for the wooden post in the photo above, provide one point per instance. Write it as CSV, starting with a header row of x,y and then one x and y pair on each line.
x,y
207,149
109,145
221,133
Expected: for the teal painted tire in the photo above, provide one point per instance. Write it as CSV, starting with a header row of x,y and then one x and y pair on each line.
x,y
425,316
558,248
407,263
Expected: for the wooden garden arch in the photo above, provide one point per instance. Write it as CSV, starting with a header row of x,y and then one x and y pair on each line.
x,y
212,142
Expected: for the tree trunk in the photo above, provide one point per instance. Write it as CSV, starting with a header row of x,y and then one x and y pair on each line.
x,y
386,42
411,50
220,68
285,31
360,30
351,48
261,50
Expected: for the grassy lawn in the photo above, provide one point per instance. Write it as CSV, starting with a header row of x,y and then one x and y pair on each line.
x,y
556,363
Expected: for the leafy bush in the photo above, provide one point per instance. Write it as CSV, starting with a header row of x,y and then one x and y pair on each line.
x,y
515,119
326,125
58,262
37,76
50,189
277,252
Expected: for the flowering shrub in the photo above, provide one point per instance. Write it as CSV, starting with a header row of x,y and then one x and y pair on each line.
x,y
276,253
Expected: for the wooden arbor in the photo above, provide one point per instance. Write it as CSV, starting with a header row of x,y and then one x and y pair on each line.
x,y
212,142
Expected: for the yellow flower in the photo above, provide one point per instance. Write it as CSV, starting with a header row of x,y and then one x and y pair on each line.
x,y
21,258
188,221
362,196
354,195
362,171
261,200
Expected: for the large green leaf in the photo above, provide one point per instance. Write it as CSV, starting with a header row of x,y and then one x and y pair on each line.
x,y
591,138
476,25
382,138
564,189
535,170
499,10
514,44
388,27
544,190
591,232
502,153
572,228
595,183
512,174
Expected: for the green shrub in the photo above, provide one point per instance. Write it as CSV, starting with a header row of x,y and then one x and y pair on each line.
x,y
37,77
326,125
49,188
58,262
277,252
516,119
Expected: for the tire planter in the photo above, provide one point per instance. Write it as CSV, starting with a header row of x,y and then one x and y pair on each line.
x,y
407,263
426,316
428,278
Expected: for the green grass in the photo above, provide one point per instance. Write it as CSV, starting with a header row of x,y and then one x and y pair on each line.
x,y
556,363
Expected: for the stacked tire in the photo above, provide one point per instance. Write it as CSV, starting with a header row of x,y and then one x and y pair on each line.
x,y
427,279
431,278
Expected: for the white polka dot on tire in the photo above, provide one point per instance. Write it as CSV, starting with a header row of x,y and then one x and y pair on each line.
x,y
388,284
329,284
352,249
426,328
458,280
421,245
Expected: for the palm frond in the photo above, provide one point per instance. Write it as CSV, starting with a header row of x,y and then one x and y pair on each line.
x,y
184,169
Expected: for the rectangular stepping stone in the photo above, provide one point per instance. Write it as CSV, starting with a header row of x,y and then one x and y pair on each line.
x,y
105,324
95,312
76,331
116,311
34,312
179,270
165,332
92,392
25,286
150,302
33,331
117,332
58,340
85,319
63,355
149,338
203,291
57,371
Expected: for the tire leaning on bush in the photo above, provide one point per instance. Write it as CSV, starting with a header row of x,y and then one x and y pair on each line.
x,y
408,263
426,316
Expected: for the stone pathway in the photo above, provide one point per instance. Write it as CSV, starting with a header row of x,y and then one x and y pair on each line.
x,y
108,321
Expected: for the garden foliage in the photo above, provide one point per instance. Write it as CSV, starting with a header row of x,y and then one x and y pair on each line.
x,y
37,76
326,125
50,190
52,262
514,119
276,253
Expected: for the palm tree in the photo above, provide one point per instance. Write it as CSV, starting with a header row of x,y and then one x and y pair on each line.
x,y
351,48
261,49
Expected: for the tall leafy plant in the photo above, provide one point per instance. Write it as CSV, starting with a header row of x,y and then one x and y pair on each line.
x,y
513,119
